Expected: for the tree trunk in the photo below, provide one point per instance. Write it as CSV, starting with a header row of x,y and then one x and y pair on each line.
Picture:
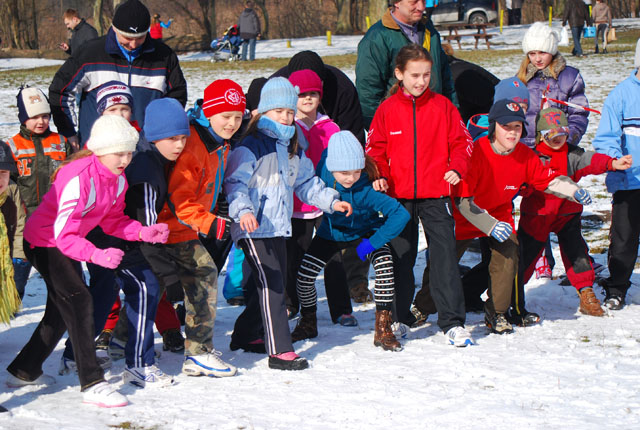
x,y
34,26
265,15
343,24
97,16
212,19
377,8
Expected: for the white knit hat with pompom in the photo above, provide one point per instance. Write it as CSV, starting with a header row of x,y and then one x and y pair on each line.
x,y
111,134
540,37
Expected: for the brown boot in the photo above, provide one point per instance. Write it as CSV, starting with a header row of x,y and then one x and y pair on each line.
x,y
589,303
361,293
307,327
383,336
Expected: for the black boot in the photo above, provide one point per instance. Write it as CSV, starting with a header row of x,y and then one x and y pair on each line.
x,y
307,327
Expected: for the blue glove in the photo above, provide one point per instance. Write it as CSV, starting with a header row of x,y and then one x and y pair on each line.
x,y
365,248
501,231
582,196
20,262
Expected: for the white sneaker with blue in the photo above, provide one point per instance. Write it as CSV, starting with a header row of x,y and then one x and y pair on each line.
x,y
400,330
69,366
459,336
141,376
208,365
116,349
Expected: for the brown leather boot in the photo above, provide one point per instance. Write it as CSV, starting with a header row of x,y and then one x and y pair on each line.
x,y
383,336
307,327
589,303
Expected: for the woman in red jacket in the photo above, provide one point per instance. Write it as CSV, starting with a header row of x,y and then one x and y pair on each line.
x,y
422,149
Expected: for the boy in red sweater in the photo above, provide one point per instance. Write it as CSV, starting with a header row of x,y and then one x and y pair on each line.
x,y
542,214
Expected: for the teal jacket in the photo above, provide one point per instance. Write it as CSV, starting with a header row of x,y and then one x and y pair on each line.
x,y
375,64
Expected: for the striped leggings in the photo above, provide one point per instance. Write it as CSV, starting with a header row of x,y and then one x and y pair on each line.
x,y
321,251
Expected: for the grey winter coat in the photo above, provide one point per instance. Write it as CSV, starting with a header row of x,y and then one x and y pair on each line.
x,y
83,32
249,24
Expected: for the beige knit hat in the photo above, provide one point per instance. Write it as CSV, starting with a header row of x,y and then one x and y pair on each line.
x,y
111,134
540,37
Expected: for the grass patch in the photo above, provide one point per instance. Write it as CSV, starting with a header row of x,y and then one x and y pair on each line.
x,y
128,425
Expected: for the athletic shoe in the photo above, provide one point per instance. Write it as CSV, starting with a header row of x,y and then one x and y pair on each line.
x,y
525,319
459,336
498,323
256,346
589,303
615,303
347,320
543,270
104,395
69,366
400,330
207,365
287,361
102,342
421,319
14,382
116,349
141,376
172,340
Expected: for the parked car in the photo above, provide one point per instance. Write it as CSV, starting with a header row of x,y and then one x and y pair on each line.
x,y
468,11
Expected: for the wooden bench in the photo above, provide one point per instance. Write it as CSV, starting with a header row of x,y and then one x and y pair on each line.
x,y
455,35
484,36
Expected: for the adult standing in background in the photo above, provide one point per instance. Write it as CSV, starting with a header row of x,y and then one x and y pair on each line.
x,y
576,13
124,54
401,25
514,11
155,32
81,31
249,27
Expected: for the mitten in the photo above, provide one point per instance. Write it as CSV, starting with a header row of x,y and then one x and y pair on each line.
x,y
109,258
501,231
365,248
220,227
582,196
155,233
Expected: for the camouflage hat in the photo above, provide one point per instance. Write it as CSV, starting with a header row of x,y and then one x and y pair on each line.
x,y
551,122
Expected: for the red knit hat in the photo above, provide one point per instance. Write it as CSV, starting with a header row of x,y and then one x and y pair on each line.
x,y
223,95
306,80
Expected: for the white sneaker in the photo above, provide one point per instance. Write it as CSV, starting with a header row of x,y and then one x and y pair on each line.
x,y
13,382
400,330
141,376
68,366
104,395
116,349
207,365
459,336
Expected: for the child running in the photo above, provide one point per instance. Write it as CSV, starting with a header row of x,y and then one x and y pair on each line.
x,y
87,192
345,169
422,149
263,172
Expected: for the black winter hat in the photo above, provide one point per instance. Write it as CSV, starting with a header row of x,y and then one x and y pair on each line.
x,y
307,60
506,111
6,159
132,19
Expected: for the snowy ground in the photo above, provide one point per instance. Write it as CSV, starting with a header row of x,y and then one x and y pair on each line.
x,y
571,371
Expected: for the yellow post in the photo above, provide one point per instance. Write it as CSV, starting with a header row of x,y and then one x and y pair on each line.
x,y
288,43
550,14
501,19
328,37
590,11
368,22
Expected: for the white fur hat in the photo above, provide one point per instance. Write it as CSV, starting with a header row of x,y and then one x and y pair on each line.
x,y
540,37
636,62
111,134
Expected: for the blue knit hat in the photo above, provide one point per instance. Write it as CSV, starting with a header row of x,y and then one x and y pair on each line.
x,y
512,89
344,152
278,93
165,118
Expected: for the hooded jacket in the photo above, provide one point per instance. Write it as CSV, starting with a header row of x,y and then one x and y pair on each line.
x,y
249,24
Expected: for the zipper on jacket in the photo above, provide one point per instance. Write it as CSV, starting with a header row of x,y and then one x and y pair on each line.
x,y
415,152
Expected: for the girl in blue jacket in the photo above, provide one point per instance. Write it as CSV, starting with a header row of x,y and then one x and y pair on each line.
x,y
262,173
344,167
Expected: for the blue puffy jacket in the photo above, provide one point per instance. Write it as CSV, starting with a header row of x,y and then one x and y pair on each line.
x,y
619,132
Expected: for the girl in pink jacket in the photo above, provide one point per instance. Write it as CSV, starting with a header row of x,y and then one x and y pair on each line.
x,y
87,191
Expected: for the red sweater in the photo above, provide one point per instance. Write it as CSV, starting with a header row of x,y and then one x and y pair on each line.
x,y
494,181
415,141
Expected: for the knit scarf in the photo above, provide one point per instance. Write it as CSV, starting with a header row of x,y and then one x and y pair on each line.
x,y
9,298
275,129
558,162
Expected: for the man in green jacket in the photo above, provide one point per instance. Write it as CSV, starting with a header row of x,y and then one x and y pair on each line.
x,y
400,25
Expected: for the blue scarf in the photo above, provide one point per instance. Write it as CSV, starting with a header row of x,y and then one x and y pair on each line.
x,y
275,129
129,55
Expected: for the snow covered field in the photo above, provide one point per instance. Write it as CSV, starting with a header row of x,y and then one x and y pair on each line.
x,y
570,372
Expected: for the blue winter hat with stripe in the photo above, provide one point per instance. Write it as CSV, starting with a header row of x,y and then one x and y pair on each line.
x,y
344,152
512,89
278,93
165,118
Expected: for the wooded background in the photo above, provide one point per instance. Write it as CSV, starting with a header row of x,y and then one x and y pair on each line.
x,y
38,24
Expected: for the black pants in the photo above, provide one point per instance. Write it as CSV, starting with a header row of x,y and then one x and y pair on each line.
x,y
446,287
334,273
69,308
625,230
264,296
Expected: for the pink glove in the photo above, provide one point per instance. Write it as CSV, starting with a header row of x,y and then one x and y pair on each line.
x,y
109,258
156,233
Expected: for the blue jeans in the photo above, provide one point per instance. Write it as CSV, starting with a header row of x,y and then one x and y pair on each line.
x,y
576,33
252,49
21,270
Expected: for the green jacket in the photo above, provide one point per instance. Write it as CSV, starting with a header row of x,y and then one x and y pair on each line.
x,y
376,62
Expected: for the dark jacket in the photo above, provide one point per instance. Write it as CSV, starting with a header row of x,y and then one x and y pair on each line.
x,y
249,24
15,216
339,100
376,62
474,86
576,12
82,33
154,74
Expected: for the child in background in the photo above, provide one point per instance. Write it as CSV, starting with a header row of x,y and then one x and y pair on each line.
x,y
422,148
345,169
601,16
86,192
37,152
541,214
191,211
317,128
263,172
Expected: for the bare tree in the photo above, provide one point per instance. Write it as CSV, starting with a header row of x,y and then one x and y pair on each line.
x,y
377,8
265,15
97,16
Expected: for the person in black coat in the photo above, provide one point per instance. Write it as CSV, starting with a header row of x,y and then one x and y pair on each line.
x,y
81,31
